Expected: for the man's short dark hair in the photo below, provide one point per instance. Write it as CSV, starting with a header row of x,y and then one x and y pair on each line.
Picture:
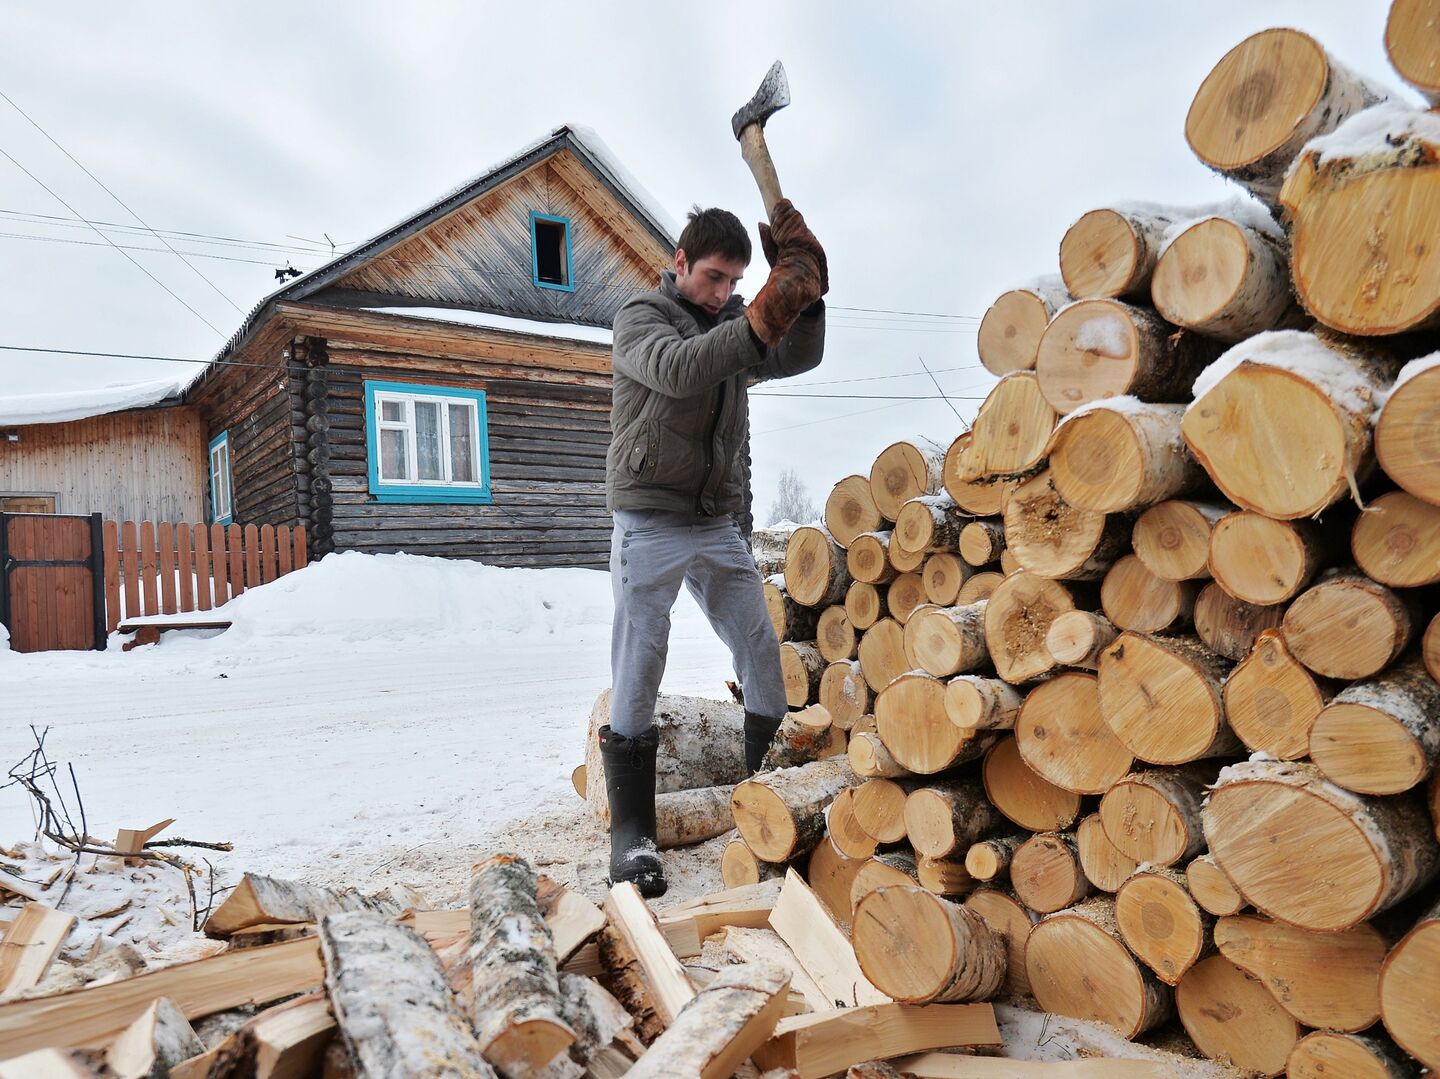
x,y
714,232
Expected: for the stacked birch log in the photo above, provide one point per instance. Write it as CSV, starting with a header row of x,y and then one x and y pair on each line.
x,y
1142,668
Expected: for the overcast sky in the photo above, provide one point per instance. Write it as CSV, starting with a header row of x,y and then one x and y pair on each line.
x,y
939,152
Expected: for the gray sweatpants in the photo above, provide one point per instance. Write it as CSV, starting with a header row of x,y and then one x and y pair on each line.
x,y
651,553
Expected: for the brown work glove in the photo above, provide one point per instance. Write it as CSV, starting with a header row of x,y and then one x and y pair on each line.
x,y
793,285
788,229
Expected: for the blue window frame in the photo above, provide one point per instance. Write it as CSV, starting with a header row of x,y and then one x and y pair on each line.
x,y
426,443
550,252
222,498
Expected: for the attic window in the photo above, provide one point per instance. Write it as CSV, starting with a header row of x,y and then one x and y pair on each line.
x,y
550,251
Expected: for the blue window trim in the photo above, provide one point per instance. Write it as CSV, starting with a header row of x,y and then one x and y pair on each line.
x,y
410,492
535,254
223,436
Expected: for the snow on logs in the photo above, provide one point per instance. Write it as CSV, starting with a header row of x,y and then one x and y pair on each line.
x,y
1111,252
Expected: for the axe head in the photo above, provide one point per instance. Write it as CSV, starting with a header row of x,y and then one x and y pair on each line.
x,y
773,95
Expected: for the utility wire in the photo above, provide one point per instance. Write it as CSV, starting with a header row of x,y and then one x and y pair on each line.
x,y
132,247
118,199
942,391
867,396
207,238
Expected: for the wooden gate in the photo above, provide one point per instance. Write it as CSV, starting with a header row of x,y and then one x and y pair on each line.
x,y
52,581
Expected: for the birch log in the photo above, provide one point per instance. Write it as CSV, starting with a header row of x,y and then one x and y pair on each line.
x,y
865,605
1212,888
945,641
904,470
1405,440
1076,638
1135,599
1322,1054
1018,615
918,948
1063,736
1230,626
868,558
1111,252
1380,736
791,620
835,637
1012,922
1009,335
1161,698
1232,1018
930,523
1396,541
1162,923
1172,538
975,702
782,814
943,575
1052,538
1122,454
1103,863
1154,816
801,665
1046,873
815,572
978,494
850,510
1263,561
720,1027
943,819
1272,700
1409,1000
1011,430
1348,626
911,720
1024,796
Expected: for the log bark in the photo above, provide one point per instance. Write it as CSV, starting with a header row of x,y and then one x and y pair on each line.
x,y
1347,626
918,948
1011,430
720,1027
977,703
882,653
782,814
1135,599
1366,854
1382,735
1064,738
1112,252
1229,626
392,1005
1232,1018
906,596
835,637
1212,888
740,866
1263,561
515,996
1162,923
869,758
1076,638
1009,336
865,605
1078,966
911,720
904,470
1322,1054
943,819
1161,698
1405,442
791,620
261,900
801,665
1024,797
1009,919
880,807
1172,538
850,510
802,737
868,558
943,575
1227,279
1396,541
1103,863
1409,999
1018,615
1154,816
1263,101
1051,538
1121,454
990,859
815,573
844,693
945,641
1282,422
1095,349
929,523
982,495
1046,873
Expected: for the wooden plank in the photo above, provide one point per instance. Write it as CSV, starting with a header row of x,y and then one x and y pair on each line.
x,y
284,549
165,537
822,947
252,556
149,568
110,530
302,550
234,546
952,1066
746,907
185,567
631,917
93,1016
828,1042
130,565
267,553
203,583
31,942
218,564
18,886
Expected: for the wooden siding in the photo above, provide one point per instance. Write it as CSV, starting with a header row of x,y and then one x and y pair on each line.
x,y
143,464
479,255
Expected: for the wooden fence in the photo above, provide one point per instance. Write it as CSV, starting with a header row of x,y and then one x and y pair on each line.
x,y
170,569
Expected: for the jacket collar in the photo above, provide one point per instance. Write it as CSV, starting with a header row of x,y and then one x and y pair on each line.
x,y
732,308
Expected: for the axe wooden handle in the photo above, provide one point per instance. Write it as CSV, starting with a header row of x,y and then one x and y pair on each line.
x,y
757,156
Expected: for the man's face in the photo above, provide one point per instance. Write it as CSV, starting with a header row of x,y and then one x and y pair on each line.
x,y
708,283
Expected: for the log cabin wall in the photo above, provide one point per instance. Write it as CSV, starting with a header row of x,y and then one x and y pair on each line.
x,y
141,465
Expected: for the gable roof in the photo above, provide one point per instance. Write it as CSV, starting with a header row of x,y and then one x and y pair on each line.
x,y
581,141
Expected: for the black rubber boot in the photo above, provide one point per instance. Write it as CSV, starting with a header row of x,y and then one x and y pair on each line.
x,y
630,789
759,733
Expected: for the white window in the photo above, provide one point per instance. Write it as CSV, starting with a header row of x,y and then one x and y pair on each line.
x,y
220,500
428,440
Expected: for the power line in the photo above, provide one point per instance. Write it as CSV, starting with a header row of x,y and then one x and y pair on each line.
x,y
827,419
942,391
207,238
868,396
118,199
879,378
131,247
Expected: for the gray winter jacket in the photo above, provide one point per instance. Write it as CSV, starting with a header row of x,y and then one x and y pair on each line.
x,y
680,417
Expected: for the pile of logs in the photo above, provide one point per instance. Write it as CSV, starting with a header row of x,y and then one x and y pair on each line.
x,y
1142,669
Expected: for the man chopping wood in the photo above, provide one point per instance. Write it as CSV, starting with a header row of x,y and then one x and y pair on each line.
x,y
677,482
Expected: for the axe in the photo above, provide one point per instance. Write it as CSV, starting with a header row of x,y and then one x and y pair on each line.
x,y
749,127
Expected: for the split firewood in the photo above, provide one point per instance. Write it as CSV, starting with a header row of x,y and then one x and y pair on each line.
x,y
153,1044
720,1026
259,899
919,948
597,1018
831,877
1161,922
57,1064
647,976
288,1039
821,946
1232,1017
765,946
32,940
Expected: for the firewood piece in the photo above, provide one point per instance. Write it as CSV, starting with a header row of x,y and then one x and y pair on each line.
x,y
1264,561
929,523
989,859
1347,626
1212,888
944,876
156,1042
1409,1001
56,1064
1012,922
919,948
911,719
1018,615
1112,252
872,1069
1096,349
1076,638
904,563
649,978
258,899
1396,541
1052,538
32,940
1263,101
1161,698
1046,873
720,1026
868,558
792,621
1078,966
945,641
1329,980
1010,332
1229,626
976,703
1064,738
902,471
1104,864
821,946
578,779
1382,735
825,1043
1323,1054
880,808
980,586
815,573
739,866
850,510
1272,701
906,596
515,982
763,945
1022,795
1162,923
802,737
943,819
801,665
1154,816
981,496
1173,538
1364,854
982,541
844,831
1122,454
1135,599
943,575
746,907
1413,52
782,814
391,1003
1430,648
865,604
1011,430
1231,1017
1405,443
835,637
891,868
882,653
869,758
844,693
951,1066
288,1039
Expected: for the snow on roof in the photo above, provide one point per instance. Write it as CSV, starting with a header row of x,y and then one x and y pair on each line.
x,y
82,404
564,331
